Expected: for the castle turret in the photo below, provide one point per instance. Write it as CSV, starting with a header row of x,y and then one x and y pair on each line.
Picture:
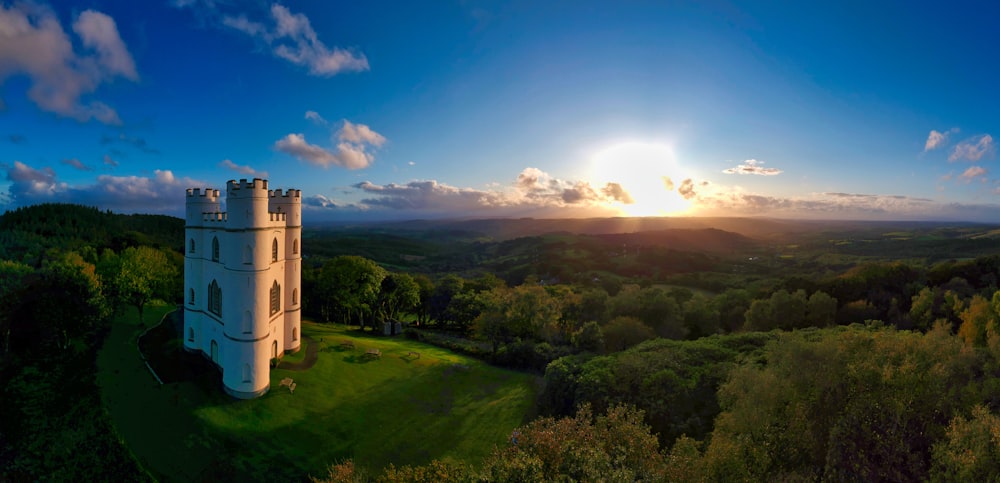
x,y
289,204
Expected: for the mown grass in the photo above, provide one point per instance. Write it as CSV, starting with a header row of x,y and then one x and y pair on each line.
x,y
400,409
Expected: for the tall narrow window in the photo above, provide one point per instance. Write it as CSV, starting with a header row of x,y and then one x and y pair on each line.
x,y
274,250
191,296
275,298
295,246
246,372
295,296
215,352
295,333
215,249
215,298
191,245
190,334
247,322
247,255
274,350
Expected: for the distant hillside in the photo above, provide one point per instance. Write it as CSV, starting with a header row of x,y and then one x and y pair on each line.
x,y
695,240
26,233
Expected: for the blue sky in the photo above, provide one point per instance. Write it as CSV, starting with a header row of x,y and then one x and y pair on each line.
x,y
401,110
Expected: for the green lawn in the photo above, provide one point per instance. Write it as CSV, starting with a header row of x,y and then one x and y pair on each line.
x,y
399,409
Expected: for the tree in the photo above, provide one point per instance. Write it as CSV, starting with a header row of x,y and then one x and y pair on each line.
x,y
13,277
138,275
589,338
350,285
624,332
701,318
971,449
978,321
821,310
398,293
445,290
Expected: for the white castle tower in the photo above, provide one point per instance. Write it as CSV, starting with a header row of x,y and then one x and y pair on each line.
x,y
242,280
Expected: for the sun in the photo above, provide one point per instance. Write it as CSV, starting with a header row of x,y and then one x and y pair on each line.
x,y
647,171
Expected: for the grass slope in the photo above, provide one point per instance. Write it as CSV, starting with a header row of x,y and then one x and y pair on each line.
x,y
400,409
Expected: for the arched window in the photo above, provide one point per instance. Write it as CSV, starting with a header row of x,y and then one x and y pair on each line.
x,y
295,246
275,298
215,352
190,334
247,322
274,250
191,296
191,245
274,350
247,255
215,249
215,298
295,296
246,372
295,333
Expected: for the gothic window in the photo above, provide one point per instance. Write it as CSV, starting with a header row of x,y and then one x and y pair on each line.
x,y
215,249
191,245
191,296
275,298
190,334
295,246
274,250
215,298
295,296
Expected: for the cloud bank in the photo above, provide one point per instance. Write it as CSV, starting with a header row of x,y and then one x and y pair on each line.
x,y
34,44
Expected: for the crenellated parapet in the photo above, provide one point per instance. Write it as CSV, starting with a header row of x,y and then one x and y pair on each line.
x,y
213,194
256,188
292,195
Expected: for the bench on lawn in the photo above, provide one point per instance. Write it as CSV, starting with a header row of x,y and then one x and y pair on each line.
x,y
414,354
291,388
347,344
286,382
374,353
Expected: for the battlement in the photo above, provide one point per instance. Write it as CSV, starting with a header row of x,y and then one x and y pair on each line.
x,y
209,192
292,193
277,216
244,188
215,216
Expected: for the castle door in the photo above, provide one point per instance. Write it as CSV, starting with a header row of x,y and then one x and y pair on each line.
x,y
215,352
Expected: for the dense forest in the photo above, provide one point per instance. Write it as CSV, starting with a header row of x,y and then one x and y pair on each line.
x,y
675,350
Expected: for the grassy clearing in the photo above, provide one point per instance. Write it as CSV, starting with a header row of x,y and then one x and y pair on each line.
x,y
401,409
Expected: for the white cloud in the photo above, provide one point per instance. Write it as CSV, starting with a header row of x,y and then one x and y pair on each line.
x,y
752,166
242,169
160,193
353,151
937,139
315,117
972,173
77,164
33,43
973,149
359,134
289,36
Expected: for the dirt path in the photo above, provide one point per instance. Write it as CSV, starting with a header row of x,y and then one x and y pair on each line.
x,y
312,354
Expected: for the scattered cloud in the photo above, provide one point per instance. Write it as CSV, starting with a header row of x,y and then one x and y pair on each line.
x,y
973,149
247,170
17,139
159,193
289,36
315,117
110,162
668,183
937,139
972,173
411,163
752,166
34,44
77,164
686,189
136,142
355,143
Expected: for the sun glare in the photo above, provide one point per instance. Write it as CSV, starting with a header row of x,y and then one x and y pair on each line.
x,y
648,172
